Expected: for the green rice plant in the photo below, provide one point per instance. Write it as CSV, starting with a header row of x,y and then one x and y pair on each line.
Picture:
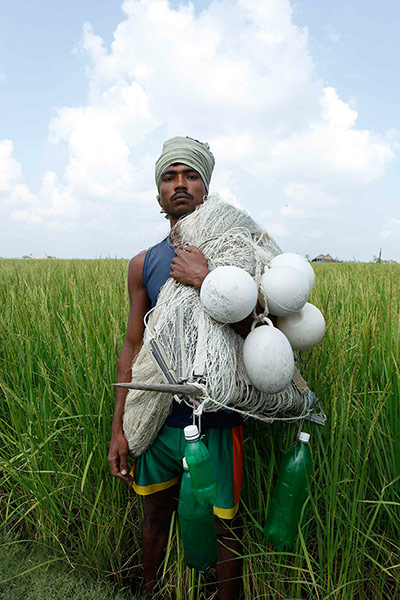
x,y
30,570
62,325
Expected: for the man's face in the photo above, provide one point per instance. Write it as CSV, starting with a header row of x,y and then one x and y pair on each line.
x,y
181,190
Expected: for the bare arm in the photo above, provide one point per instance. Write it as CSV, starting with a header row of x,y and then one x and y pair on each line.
x,y
139,306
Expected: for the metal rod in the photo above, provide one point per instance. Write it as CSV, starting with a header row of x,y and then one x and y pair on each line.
x,y
179,388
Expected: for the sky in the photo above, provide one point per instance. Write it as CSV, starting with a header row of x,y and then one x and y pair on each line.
x,y
297,99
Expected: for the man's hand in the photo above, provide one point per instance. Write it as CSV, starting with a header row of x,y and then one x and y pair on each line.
x,y
189,266
117,457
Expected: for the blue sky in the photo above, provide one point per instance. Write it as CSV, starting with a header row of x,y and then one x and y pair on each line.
x,y
299,101
41,71
355,45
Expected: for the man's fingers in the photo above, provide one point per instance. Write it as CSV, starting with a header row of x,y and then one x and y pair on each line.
x,y
114,466
121,474
123,466
118,465
178,252
127,479
118,459
186,249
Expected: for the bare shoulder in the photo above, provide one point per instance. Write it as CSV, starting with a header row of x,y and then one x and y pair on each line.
x,y
135,269
138,260
139,302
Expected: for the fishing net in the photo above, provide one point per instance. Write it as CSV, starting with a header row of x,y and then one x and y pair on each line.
x,y
194,347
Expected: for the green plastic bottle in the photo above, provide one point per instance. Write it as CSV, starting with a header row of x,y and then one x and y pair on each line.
x,y
289,495
198,460
197,525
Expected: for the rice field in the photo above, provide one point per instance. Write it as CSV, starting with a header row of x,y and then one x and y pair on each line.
x,y
62,324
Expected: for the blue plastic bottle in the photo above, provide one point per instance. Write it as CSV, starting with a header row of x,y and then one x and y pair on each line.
x,y
289,495
198,460
197,525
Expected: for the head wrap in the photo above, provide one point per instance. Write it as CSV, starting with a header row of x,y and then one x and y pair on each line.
x,y
187,151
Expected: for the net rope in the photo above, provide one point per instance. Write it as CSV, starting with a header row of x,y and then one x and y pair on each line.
x,y
198,348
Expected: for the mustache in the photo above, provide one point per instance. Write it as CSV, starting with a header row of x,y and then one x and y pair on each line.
x,y
174,196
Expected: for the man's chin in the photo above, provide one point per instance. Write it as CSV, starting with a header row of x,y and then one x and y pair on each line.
x,y
182,211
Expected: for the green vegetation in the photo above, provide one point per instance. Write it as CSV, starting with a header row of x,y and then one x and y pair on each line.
x,y
29,571
62,325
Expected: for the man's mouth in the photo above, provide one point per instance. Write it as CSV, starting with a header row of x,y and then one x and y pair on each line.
x,y
181,196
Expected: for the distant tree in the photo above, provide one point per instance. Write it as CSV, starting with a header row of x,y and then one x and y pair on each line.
x,y
378,259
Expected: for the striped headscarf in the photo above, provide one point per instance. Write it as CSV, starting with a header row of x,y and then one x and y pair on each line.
x,y
187,151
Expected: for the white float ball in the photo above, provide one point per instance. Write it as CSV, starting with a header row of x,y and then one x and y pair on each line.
x,y
291,259
305,329
228,294
268,359
286,289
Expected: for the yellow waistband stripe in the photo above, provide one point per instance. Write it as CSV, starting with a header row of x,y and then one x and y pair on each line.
x,y
226,513
146,490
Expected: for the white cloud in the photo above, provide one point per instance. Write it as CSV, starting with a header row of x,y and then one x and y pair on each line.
x,y
316,233
238,74
266,214
10,169
333,34
224,183
16,199
308,200
330,146
391,229
277,230
233,148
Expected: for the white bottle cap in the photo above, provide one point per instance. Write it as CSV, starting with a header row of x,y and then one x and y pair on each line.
x,y
184,461
304,437
191,432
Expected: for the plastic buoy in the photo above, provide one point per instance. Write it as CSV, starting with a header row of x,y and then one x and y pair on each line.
x,y
286,289
304,329
228,294
291,259
268,359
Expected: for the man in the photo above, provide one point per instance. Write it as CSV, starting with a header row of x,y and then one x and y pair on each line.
x,y
183,173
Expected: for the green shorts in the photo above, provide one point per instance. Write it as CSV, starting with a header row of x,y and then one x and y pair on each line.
x,y
160,467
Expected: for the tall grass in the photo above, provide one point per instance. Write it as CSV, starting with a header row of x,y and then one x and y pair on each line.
x,y
32,571
62,325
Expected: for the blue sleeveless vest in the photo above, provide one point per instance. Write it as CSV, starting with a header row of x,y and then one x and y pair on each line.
x,y
156,269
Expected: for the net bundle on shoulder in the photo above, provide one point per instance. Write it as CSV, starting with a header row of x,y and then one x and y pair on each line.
x,y
200,349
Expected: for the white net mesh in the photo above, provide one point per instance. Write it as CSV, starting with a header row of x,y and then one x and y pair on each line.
x,y
196,346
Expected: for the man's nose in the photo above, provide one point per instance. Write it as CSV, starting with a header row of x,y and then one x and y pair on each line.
x,y
180,182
